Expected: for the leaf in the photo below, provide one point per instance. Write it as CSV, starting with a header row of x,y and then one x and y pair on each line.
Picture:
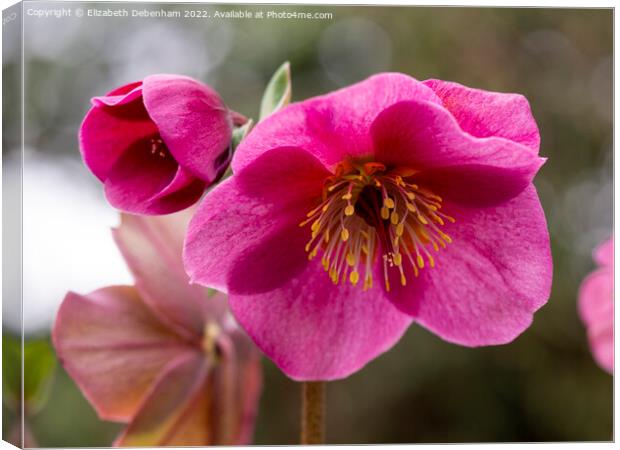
x,y
11,371
240,133
278,91
39,366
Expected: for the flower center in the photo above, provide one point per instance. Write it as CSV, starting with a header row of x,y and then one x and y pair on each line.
x,y
158,148
369,211
209,341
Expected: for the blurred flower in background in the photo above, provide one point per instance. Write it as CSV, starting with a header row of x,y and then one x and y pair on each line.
x,y
163,356
596,306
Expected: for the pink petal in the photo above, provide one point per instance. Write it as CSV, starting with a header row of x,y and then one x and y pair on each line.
x,y
314,330
245,236
596,308
489,281
604,253
107,131
485,114
193,122
113,347
335,126
425,137
235,389
119,96
175,411
143,183
152,247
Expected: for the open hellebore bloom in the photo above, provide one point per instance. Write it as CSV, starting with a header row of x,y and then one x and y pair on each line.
x,y
160,355
596,306
157,143
352,214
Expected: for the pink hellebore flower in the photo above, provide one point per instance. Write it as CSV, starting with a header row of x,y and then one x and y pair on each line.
x,y
158,143
596,306
160,356
415,198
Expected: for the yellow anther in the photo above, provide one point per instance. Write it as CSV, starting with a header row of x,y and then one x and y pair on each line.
x,y
354,277
394,218
350,259
400,229
411,207
385,213
444,236
420,261
347,196
422,219
315,225
388,202
403,280
344,235
431,261
398,259
349,210
387,285
411,196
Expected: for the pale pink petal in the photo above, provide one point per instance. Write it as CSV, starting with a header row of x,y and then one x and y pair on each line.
x,y
334,126
249,382
596,308
487,284
176,410
193,122
485,114
314,330
152,247
236,386
604,253
424,136
113,347
245,236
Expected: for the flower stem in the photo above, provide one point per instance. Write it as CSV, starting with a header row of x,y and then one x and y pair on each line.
x,y
313,413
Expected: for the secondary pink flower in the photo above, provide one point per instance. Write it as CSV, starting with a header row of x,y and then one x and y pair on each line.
x,y
161,356
157,143
352,214
596,306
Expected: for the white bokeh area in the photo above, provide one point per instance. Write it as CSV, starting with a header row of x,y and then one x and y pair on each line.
x,y
67,240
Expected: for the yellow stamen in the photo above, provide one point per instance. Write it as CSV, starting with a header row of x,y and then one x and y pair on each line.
x,y
354,277
350,259
385,213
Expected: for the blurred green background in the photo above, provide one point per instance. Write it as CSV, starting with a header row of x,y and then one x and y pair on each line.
x,y
542,387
